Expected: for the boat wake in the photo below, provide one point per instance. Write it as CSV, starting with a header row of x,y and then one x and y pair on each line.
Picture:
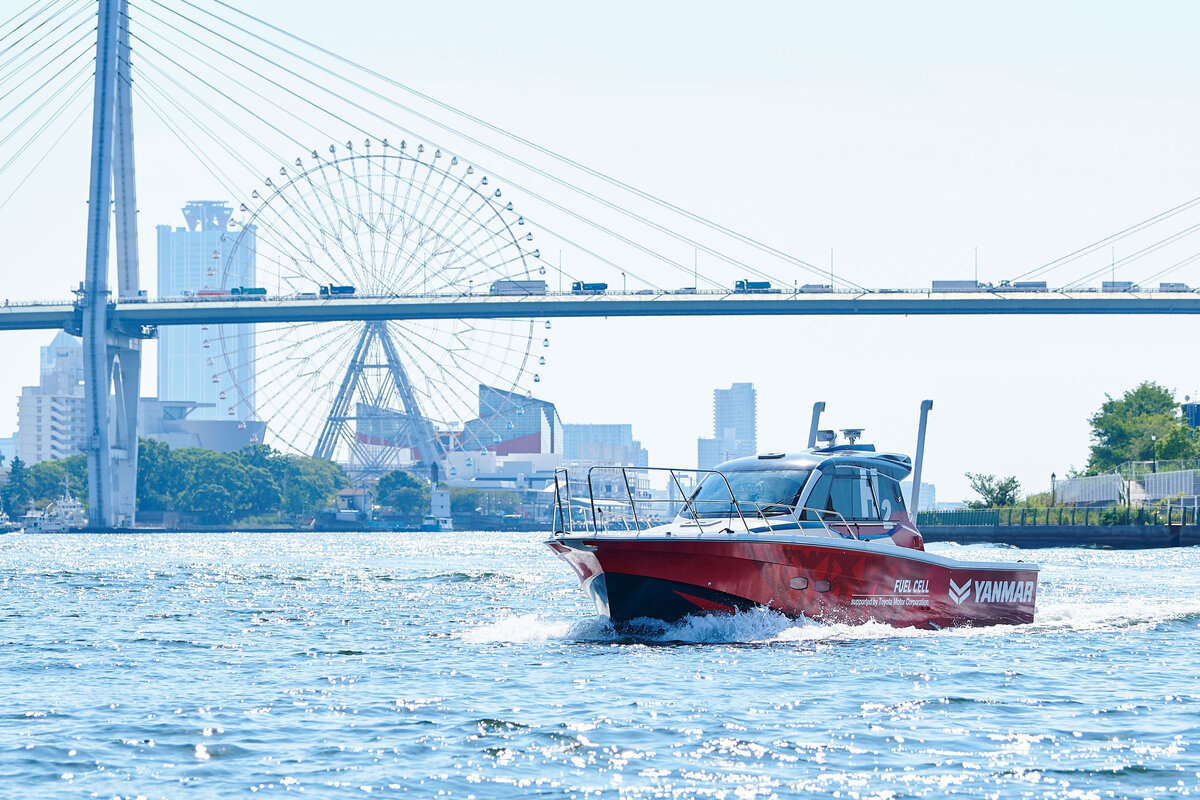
x,y
1121,614
757,626
764,626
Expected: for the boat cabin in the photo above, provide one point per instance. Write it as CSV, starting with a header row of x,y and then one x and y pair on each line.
x,y
847,482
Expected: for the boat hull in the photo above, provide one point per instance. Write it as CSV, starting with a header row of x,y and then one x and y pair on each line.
x,y
670,577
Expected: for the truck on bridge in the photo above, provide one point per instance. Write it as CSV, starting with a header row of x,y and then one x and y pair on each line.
x,y
583,287
518,287
754,287
961,286
248,292
333,290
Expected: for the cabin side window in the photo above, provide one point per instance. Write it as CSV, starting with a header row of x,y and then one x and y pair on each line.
x,y
844,492
818,498
887,490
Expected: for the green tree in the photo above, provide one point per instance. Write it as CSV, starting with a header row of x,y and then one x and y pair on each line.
x,y
17,490
254,481
48,479
402,492
1125,429
1177,444
314,486
257,493
159,476
470,501
212,504
994,492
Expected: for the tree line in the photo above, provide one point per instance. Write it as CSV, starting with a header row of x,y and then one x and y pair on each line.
x,y
1144,424
256,482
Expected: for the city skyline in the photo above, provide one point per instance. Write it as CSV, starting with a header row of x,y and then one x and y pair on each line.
x,y
902,160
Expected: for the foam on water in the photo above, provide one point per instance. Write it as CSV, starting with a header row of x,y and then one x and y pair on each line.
x,y
1113,614
517,628
762,625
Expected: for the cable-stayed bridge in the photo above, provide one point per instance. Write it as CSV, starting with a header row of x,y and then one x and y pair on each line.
x,y
344,178
137,314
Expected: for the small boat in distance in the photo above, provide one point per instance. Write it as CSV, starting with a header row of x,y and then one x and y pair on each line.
x,y
64,514
822,533
8,526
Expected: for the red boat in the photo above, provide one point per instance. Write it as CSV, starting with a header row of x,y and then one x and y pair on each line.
x,y
822,534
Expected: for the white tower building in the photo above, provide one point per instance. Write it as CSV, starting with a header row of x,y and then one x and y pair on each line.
x,y
190,259
50,416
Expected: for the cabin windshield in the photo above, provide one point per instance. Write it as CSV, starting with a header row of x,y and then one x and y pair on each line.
x,y
758,492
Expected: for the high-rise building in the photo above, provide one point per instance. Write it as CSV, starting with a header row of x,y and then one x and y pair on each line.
x,y
209,253
603,444
1191,412
50,416
735,426
509,423
927,499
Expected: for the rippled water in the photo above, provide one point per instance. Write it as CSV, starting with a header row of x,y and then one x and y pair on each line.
x,y
471,665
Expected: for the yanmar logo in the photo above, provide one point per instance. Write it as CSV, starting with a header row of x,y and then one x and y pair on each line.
x,y
959,593
992,591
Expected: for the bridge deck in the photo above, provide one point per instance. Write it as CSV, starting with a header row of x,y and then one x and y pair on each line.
x,y
54,315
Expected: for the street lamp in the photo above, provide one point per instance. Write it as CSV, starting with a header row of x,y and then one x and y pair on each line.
x,y
1154,444
1052,488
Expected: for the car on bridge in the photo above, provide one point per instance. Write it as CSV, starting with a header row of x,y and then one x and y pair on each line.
x,y
1023,286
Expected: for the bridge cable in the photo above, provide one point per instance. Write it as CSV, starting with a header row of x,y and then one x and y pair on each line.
x,y
1168,270
185,89
1145,251
586,220
520,139
84,107
477,142
349,124
29,53
1108,240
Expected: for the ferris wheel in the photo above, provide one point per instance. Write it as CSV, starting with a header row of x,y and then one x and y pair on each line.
x,y
380,221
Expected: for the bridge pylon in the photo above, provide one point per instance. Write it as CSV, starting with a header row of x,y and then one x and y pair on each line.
x,y
112,355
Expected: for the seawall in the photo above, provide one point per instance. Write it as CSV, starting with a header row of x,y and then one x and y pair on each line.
x,y
1117,537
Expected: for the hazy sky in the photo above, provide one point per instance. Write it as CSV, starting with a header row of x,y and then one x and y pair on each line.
x,y
903,136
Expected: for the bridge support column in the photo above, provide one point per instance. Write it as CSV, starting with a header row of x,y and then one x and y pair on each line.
x,y
126,360
96,359
112,358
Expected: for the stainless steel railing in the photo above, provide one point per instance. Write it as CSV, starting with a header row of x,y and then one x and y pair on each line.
x,y
600,514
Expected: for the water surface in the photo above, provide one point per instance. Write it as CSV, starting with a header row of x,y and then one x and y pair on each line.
x,y
471,665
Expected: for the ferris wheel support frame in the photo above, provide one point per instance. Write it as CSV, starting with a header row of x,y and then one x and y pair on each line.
x,y
339,415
